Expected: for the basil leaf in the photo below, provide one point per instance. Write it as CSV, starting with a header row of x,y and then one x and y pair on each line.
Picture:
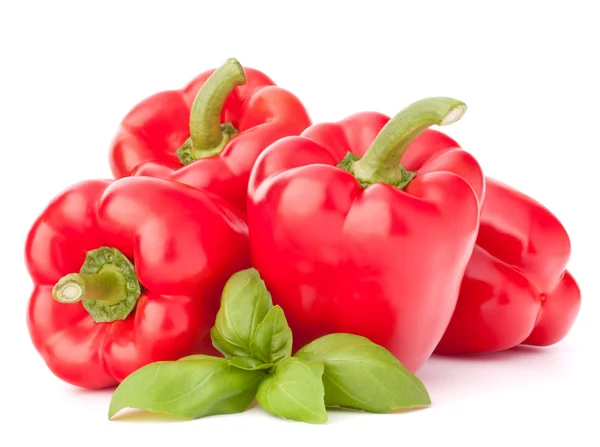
x,y
244,303
294,391
272,341
362,375
248,363
193,387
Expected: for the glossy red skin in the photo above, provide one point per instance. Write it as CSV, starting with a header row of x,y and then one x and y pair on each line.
x,y
154,129
380,262
516,289
184,244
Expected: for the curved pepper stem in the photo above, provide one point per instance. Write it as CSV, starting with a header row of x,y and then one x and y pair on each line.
x,y
106,285
381,162
207,135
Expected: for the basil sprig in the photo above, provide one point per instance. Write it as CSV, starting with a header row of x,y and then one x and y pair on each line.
x,y
337,370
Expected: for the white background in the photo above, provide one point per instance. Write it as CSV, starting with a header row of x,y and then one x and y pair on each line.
x,y
527,71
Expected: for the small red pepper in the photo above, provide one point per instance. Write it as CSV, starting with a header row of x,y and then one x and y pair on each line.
x,y
208,134
516,289
349,240
127,273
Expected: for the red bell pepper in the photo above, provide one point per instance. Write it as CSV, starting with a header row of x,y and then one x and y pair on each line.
x,y
127,273
349,240
208,134
516,289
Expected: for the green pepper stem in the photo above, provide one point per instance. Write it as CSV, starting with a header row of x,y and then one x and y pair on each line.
x,y
381,162
107,287
207,135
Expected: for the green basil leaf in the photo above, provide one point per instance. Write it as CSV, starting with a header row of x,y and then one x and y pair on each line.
x,y
192,387
272,341
362,375
248,363
294,391
244,303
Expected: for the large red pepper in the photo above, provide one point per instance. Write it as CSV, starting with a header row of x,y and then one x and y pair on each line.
x,y
208,134
126,273
349,240
516,289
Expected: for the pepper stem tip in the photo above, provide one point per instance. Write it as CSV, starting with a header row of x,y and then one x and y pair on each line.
x,y
69,289
454,115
